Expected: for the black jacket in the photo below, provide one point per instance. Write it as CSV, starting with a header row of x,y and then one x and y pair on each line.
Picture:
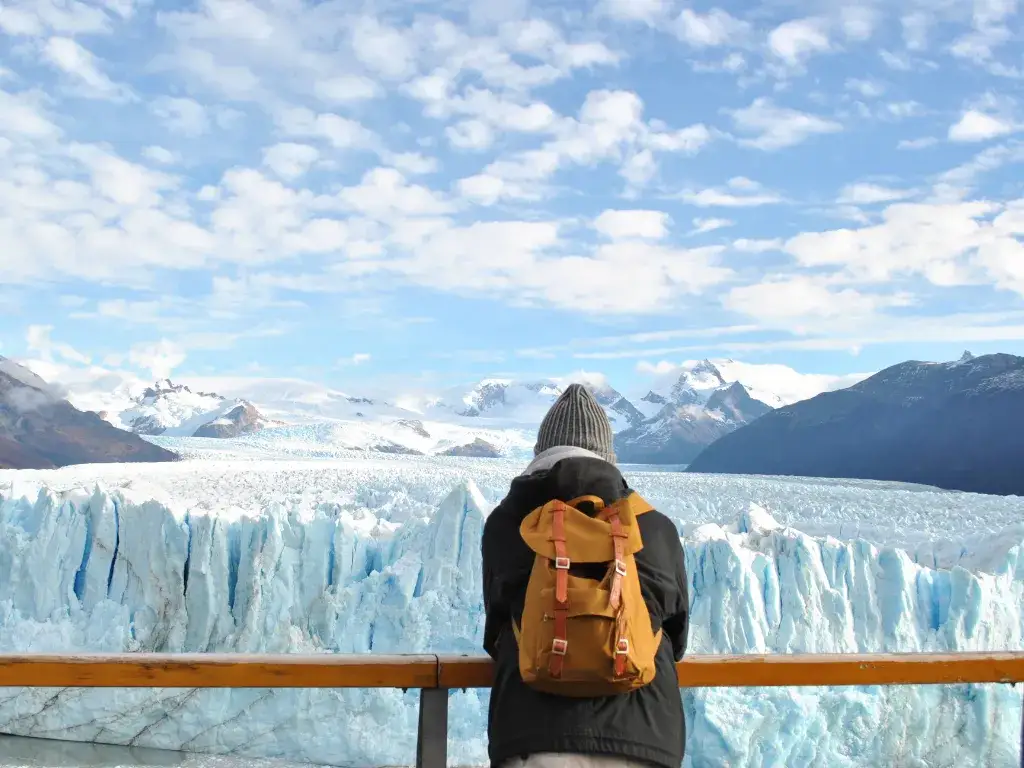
x,y
646,725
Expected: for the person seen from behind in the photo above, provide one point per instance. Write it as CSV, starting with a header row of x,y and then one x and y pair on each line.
x,y
587,608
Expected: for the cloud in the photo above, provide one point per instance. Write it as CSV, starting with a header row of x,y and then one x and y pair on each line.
x,y
357,359
290,161
798,299
647,11
182,115
746,245
869,89
620,225
83,68
869,194
38,339
796,41
700,226
609,127
160,358
922,143
160,155
21,115
978,126
715,28
340,132
384,49
470,134
938,242
739,192
343,89
778,127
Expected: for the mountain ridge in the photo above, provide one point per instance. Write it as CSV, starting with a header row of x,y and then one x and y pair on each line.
x,y
957,425
39,429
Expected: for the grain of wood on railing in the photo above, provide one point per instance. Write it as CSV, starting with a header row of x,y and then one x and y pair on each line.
x,y
146,670
430,671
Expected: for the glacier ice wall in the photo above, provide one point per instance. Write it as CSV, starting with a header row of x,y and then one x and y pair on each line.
x,y
126,573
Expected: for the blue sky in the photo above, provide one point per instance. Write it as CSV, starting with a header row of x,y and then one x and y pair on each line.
x,y
374,194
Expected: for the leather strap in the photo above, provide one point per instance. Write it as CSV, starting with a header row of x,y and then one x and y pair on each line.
x,y
560,643
615,598
619,543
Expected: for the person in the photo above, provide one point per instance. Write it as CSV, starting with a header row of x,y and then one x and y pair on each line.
x,y
574,457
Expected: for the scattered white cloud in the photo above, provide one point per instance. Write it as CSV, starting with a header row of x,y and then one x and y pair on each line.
x,y
858,21
869,194
359,358
799,299
796,41
160,358
619,225
82,67
715,28
290,161
978,126
922,143
161,155
470,134
700,226
182,115
738,192
777,127
869,89
646,11
383,49
38,339
342,89
747,245
340,132
934,241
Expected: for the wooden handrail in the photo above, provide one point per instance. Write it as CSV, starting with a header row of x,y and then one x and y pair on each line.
x,y
432,671
781,670
214,670
436,675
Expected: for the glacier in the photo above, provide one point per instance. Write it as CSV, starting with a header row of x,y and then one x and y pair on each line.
x,y
383,557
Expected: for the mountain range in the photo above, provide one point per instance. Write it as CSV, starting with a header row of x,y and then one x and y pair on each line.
x,y
956,425
686,409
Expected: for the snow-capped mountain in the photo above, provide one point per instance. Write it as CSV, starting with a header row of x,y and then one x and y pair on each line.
x,y
174,410
525,402
699,407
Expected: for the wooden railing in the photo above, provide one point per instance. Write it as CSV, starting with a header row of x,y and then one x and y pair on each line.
x,y
435,676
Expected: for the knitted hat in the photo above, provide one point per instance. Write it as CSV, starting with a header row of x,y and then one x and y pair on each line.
x,y
576,419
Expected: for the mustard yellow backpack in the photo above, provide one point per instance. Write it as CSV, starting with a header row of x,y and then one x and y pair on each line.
x,y
585,637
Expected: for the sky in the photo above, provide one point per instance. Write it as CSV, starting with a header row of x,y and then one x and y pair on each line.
x,y
377,194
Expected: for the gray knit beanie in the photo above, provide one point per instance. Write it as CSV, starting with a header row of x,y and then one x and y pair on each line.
x,y
577,419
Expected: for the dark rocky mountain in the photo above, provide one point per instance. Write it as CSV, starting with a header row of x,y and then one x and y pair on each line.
x,y
479,449
41,430
958,426
241,420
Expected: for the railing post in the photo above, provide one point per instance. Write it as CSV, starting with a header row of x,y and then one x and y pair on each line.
x,y
1022,728
432,737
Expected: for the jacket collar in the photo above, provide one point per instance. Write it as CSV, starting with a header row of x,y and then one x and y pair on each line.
x,y
547,459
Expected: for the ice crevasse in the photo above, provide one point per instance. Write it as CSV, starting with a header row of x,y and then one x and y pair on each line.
x,y
113,571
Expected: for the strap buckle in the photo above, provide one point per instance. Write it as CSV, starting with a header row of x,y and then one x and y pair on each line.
x,y
622,647
559,647
620,568
562,563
